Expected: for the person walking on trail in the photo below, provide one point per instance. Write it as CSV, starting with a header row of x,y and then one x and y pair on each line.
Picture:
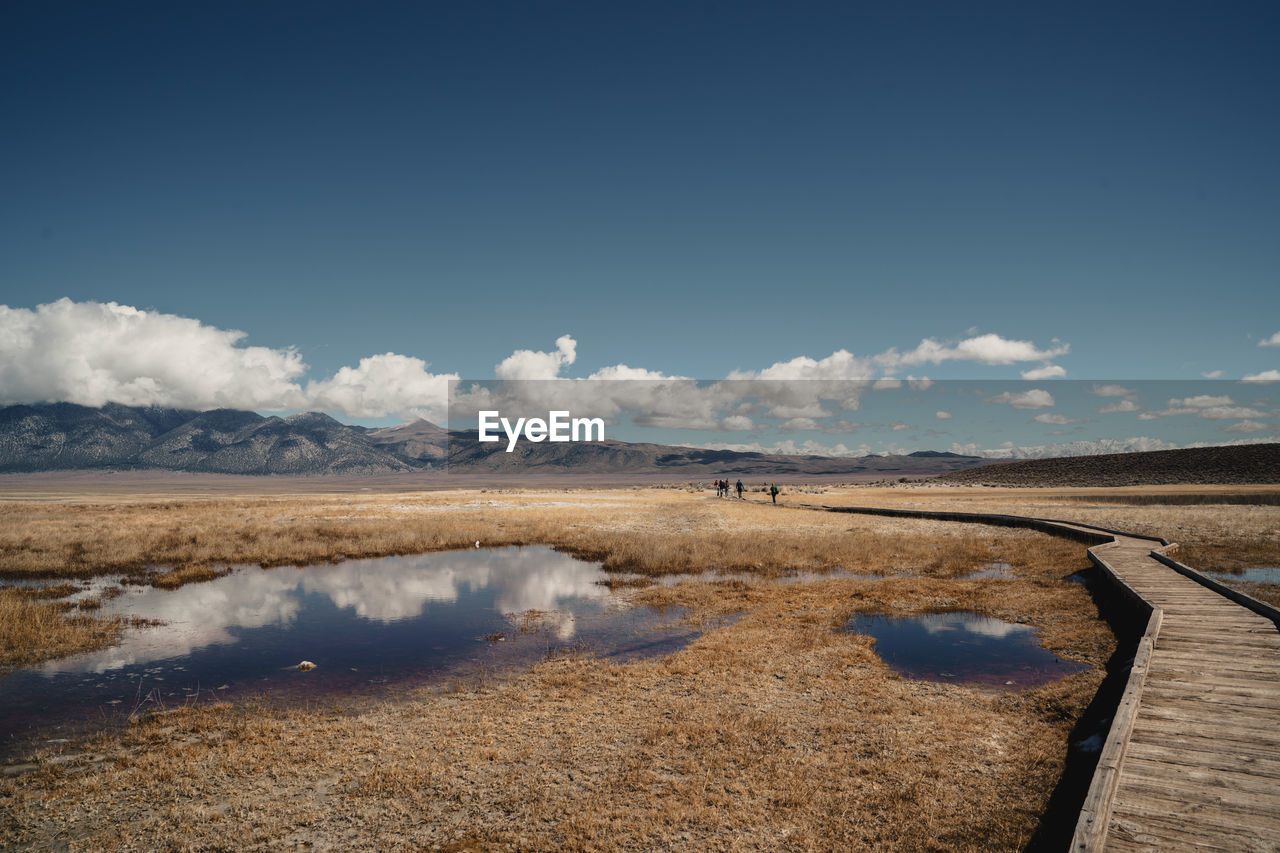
x,y
739,490
773,491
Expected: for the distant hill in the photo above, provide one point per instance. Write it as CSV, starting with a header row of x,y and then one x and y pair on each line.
x,y
62,436
620,457
1246,464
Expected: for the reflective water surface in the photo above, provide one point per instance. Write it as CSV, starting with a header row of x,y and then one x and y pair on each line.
x,y
963,647
1257,575
446,615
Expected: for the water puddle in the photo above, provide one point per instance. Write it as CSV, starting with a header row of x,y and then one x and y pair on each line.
x,y
1257,575
799,576
963,647
430,617
999,571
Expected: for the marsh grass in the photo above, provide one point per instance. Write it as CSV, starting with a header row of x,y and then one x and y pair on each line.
x,y
33,629
777,731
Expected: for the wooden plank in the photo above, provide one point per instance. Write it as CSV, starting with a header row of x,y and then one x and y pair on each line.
x,y
1142,767
1235,738
1236,807
1242,688
1137,828
1205,754
1221,724
1207,679
1095,813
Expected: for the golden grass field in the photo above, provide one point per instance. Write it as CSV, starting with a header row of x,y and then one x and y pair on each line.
x,y
775,731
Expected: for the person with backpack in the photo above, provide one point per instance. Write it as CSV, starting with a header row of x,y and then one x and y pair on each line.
x,y
739,488
773,490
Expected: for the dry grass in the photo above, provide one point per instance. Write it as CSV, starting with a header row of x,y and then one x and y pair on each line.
x,y
1217,535
32,630
777,731
170,543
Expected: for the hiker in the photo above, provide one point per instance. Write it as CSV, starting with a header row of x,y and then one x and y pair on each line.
x,y
739,489
773,490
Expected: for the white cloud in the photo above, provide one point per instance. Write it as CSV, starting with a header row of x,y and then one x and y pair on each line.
x,y
1136,444
788,447
842,364
1033,399
1220,408
1119,406
899,426
1048,371
1056,419
794,424
383,385
1201,401
1212,374
984,349
1113,391
93,353
737,423
1273,341
533,364
1247,426
1264,376
942,416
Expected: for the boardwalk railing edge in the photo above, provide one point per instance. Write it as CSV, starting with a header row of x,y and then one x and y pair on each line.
x,y
1095,812
1244,600
1091,827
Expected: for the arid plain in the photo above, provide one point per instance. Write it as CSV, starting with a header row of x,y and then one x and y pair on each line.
x,y
773,729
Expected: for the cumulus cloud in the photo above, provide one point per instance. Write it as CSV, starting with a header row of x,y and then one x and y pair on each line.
x,y
382,385
1136,444
1113,391
942,416
533,364
1264,376
1207,406
900,426
1247,426
788,447
984,349
1048,371
1212,374
1056,419
1119,406
1036,398
1273,341
94,353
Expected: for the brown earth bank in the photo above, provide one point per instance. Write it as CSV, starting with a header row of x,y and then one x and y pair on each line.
x,y
1251,463
777,731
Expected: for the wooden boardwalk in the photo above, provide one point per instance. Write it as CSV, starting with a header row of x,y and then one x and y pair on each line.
x,y
1192,758
1200,765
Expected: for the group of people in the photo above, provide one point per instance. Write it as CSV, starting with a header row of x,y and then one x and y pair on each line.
x,y
723,489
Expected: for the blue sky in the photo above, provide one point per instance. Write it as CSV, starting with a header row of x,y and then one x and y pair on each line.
x,y
689,188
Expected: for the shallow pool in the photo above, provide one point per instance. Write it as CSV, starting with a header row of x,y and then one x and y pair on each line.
x,y
1256,575
962,647
441,616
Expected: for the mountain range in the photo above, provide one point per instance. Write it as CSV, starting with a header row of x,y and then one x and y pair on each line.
x,y
64,436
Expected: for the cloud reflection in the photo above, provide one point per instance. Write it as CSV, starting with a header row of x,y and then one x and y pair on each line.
x,y
385,590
